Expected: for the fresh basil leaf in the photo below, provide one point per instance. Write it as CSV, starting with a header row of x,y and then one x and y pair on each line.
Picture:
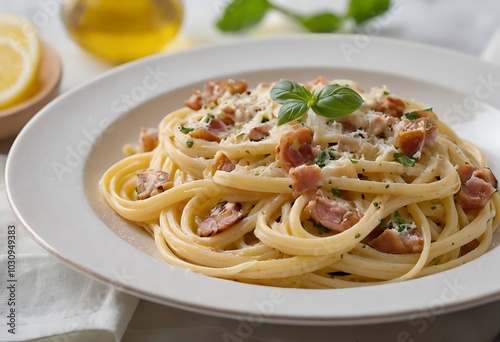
x,y
243,14
321,22
291,110
289,90
404,159
362,10
333,101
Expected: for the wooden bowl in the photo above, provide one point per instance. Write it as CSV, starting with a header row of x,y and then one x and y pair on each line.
x,y
14,118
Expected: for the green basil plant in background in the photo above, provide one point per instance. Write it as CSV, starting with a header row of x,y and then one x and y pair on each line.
x,y
244,14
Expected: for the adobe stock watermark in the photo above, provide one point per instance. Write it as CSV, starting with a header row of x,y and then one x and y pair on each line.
x,y
421,320
373,28
49,9
246,327
75,154
465,111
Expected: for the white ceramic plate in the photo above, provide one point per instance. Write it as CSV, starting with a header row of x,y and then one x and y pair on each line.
x,y
57,160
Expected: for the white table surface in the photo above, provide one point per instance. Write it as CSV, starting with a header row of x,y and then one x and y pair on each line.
x,y
463,25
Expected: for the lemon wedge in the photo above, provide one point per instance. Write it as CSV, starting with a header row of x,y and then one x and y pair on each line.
x,y
20,56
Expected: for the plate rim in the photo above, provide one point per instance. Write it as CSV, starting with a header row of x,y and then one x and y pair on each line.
x,y
227,312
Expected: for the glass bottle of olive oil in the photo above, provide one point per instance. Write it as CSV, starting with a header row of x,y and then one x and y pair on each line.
x,y
122,30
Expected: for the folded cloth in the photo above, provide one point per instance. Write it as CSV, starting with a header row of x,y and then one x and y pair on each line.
x,y
42,297
492,51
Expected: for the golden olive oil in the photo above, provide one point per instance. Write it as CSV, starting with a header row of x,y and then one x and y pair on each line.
x,y
123,30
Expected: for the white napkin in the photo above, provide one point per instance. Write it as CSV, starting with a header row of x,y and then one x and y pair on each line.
x,y
50,299
492,52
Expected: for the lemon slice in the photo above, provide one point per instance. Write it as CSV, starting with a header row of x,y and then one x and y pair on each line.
x,y
20,55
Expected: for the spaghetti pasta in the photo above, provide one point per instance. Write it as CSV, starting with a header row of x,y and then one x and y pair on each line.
x,y
386,193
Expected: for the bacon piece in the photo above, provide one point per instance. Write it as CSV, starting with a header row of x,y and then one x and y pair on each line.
x,y
392,106
431,134
415,136
217,126
305,178
335,216
222,217
148,139
260,132
393,242
205,134
216,130
212,91
377,125
294,148
478,185
215,89
222,163
195,102
152,182
227,115
319,80
429,115
347,126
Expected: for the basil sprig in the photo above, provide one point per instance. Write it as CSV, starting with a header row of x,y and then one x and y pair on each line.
x,y
332,101
244,14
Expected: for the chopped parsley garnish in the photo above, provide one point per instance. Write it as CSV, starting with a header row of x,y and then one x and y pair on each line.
x,y
207,118
321,229
354,161
335,192
247,151
400,222
386,92
323,157
382,224
412,116
185,130
428,109
189,143
240,136
264,119
376,204
357,236
404,159
402,226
